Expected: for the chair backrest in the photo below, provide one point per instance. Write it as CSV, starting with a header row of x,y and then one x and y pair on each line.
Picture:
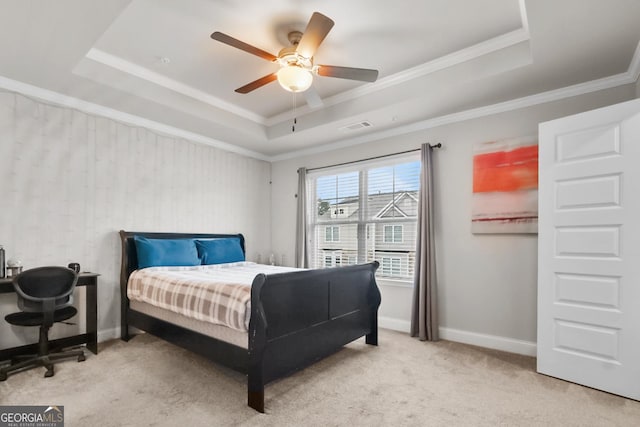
x,y
36,285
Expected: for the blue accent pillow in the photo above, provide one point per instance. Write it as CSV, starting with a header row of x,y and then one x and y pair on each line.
x,y
220,251
165,252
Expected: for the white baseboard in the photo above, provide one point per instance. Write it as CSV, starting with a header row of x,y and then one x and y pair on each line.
x,y
394,324
108,334
510,345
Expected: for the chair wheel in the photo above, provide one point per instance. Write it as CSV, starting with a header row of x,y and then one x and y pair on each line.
x,y
3,376
81,358
49,372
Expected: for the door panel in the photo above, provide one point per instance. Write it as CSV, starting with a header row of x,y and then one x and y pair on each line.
x,y
588,290
598,192
589,249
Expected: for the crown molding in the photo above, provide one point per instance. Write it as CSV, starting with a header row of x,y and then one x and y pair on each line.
x,y
541,98
125,66
634,66
91,108
524,19
628,77
474,113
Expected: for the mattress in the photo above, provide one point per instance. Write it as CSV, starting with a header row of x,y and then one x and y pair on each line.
x,y
218,294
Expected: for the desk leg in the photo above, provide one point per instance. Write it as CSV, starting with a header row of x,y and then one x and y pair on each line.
x,y
92,317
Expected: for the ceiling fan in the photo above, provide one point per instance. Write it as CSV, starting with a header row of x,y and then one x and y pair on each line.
x,y
296,61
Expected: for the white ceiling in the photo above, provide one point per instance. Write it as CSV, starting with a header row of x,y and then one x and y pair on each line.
x,y
435,57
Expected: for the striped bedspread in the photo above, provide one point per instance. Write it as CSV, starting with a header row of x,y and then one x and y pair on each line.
x,y
219,294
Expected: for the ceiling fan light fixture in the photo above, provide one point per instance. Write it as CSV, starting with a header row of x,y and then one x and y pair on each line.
x,y
294,78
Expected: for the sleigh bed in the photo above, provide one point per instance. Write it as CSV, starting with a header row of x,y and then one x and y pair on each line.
x,y
296,318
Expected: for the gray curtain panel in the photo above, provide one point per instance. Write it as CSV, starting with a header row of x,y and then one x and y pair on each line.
x,y
302,254
424,313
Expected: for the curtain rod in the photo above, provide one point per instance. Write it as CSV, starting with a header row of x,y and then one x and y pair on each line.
x,y
438,145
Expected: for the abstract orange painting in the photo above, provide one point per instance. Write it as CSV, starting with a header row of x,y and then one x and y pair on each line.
x,y
505,187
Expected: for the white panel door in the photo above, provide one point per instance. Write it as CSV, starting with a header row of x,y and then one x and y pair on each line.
x,y
589,249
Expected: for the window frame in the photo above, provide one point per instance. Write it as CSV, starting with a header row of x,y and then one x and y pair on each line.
x,y
335,257
333,233
390,268
393,233
360,219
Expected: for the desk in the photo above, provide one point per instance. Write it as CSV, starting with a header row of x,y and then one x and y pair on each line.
x,y
90,338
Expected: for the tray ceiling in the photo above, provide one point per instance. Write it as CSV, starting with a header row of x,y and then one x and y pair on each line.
x,y
155,59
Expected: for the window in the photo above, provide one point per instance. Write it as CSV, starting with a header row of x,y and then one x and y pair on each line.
x,y
332,258
390,266
393,234
365,212
332,234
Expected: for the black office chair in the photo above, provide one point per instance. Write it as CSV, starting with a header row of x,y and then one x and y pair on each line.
x,y
45,295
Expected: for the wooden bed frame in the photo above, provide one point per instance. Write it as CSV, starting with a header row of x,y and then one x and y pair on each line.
x,y
297,318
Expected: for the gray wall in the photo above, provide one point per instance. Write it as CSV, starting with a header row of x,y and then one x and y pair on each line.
x,y
487,283
69,181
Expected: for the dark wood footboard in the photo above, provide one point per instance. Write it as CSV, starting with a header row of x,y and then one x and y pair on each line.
x,y
297,318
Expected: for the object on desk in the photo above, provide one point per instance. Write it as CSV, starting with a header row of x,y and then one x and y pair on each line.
x,y
74,266
45,297
272,259
2,270
14,267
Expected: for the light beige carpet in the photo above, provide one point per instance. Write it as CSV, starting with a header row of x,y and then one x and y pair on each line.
x,y
402,382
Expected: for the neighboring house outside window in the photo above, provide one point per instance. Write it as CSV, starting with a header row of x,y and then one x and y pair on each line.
x,y
364,213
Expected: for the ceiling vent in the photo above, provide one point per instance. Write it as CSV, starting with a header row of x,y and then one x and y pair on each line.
x,y
356,126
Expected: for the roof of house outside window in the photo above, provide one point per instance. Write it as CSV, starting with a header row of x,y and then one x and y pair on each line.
x,y
383,205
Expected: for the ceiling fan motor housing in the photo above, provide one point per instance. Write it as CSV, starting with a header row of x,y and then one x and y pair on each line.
x,y
294,37
288,57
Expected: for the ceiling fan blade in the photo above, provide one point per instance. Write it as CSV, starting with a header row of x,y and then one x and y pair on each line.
x,y
221,37
312,97
317,29
361,74
257,83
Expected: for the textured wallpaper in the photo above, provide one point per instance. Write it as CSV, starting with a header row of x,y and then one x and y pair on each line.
x,y
69,181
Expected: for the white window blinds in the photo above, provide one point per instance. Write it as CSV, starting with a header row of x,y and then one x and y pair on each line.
x,y
364,212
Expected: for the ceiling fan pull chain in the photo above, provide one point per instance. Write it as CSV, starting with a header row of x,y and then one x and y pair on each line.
x,y
295,120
